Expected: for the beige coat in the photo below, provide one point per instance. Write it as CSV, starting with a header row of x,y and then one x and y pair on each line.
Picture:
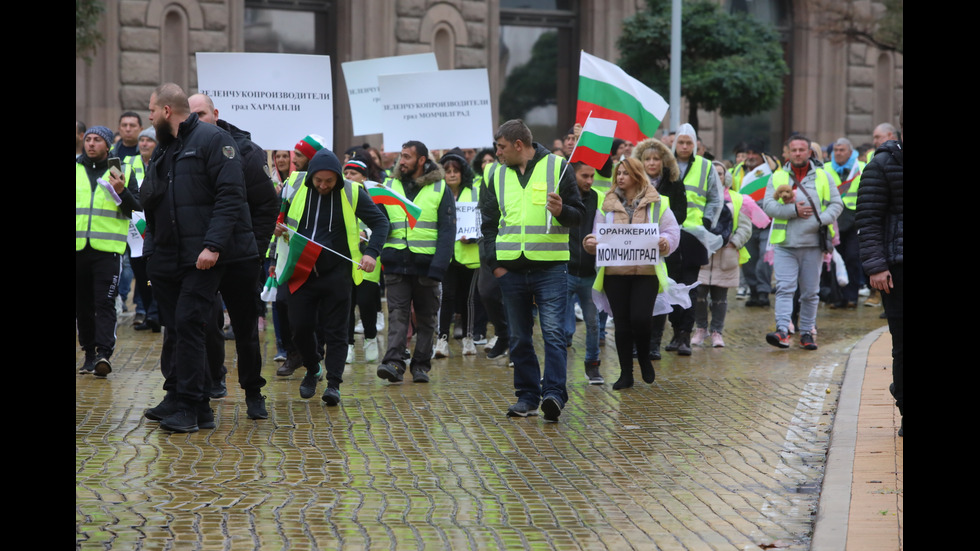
x,y
613,204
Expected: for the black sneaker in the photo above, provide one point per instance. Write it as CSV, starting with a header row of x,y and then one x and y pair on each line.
x,y
183,419
102,366
592,372
500,348
778,338
307,388
331,396
205,416
219,389
164,409
420,376
391,373
673,344
89,366
807,342
255,404
551,408
522,409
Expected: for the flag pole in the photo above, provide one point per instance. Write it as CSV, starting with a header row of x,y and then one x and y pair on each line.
x,y
351,260
548,215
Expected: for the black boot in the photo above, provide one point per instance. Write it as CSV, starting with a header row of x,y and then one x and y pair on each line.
x,y
684,343
625,379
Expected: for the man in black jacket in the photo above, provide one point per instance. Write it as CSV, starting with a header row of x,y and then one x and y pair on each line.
x,y
880,230
240,289
198,226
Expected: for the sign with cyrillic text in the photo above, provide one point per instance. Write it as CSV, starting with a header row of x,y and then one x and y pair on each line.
x,y
627,244
467,221
442,109
279,98
363,89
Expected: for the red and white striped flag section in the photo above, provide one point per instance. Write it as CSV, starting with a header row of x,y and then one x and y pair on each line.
x,y
595,142
609,93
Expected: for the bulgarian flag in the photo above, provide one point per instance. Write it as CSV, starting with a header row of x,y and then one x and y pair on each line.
x,y
595,142
299,261
754,182
383,195
609,93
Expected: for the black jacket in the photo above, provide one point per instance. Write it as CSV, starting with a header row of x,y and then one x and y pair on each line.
x,y
260,192
880,209
580,262
194,197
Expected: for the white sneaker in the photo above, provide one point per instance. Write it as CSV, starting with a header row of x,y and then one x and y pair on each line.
x,y
490,344
578,312
350,353
697,339
469,348
381,321
864,291
371,350
359,328
442,347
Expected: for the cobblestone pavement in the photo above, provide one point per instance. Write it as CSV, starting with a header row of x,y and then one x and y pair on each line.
x,y
725,451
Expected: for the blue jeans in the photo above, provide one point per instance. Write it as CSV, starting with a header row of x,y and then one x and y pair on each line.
x,y
548,290
582,287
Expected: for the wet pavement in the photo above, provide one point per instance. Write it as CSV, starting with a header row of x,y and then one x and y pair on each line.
x,y
726,450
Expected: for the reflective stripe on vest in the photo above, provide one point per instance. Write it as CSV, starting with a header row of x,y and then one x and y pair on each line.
x,y
136,165
422,238
850,196
468,254
289,190
348,206
98,220
524,215
781,177
696,188
655,211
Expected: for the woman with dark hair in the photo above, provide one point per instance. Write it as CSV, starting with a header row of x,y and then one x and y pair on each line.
x,y
459,279
631,291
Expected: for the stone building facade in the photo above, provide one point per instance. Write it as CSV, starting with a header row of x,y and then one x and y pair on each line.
x,y
834,89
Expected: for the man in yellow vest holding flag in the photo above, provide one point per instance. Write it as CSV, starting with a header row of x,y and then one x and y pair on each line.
x,y
324,211
528,204
808,201
416,258
104,203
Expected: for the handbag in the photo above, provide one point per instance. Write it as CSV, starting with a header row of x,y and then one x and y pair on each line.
x,y
826,242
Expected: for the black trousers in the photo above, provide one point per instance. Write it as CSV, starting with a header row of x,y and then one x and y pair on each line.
x,y
631,299
322,304
894,301
186,298
96,286
239,292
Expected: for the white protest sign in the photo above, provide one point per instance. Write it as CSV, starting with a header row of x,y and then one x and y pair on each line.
x,y
627,244
135,238
279,98
364,92
442,109
467,221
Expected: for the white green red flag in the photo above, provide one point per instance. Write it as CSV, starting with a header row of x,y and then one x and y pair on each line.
x,y
609,93
595,142
754,182
299,261
384,195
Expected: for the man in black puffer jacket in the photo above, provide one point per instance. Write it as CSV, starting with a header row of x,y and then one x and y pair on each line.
x,y
198,226
881,233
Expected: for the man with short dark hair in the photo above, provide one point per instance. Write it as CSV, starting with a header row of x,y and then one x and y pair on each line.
x,y
130,125
528,207
239,289
416,259
582,272
101,228
198,226
756,272
807,202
